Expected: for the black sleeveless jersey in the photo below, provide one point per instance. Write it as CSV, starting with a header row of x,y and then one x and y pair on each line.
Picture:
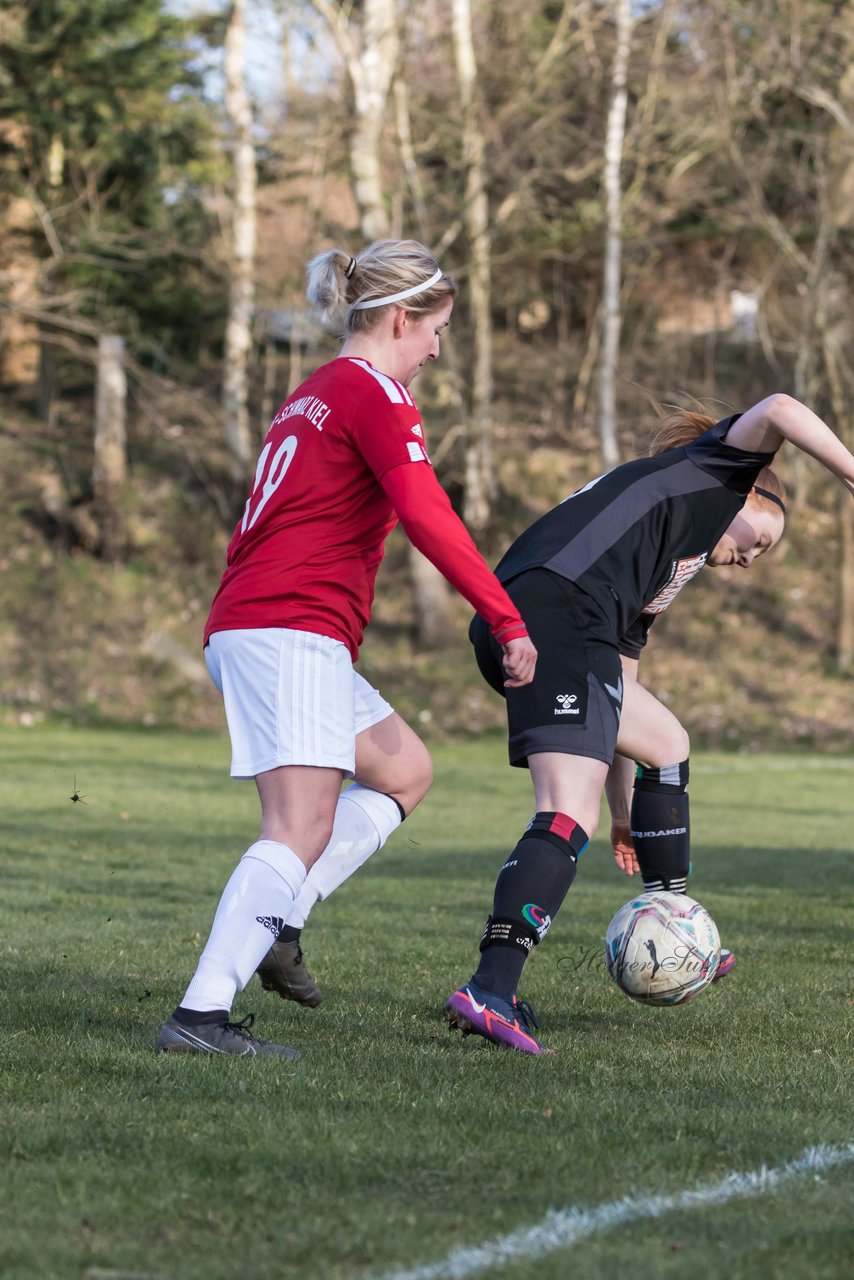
x,y
632,538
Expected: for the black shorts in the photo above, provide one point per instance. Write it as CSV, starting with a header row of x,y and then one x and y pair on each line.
x,y
573,703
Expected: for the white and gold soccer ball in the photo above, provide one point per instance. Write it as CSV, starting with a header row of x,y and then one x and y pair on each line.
x,y
662,948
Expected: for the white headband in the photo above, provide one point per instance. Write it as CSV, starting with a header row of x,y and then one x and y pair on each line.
x,y
404,293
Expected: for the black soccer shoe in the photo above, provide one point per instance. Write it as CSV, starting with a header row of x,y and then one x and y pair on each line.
x,y
282,970
219,1037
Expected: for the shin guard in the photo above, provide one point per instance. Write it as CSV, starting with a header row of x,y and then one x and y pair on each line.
x,y
529,891
660,826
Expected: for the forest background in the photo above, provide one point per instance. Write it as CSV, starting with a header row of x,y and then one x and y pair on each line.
x,y
641,202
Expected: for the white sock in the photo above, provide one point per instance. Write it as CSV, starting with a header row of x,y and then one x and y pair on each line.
x,y
255,904
364,820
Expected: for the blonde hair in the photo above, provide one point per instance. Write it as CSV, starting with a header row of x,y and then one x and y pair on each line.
x,y
337,281
681,426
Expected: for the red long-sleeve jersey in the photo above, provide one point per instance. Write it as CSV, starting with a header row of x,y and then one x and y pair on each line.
x,y
343,459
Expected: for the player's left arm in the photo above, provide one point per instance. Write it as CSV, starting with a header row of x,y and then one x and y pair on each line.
x,y
777,418
618,792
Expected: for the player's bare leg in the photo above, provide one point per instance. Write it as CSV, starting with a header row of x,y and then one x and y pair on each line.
x,y
393,774
652,736
298,805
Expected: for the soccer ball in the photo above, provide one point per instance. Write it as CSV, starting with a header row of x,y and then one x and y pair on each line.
x,y
662,948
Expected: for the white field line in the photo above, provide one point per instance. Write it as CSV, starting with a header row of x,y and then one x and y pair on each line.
x,y
560,1229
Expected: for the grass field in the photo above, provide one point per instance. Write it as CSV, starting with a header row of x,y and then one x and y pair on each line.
x,y
392,1142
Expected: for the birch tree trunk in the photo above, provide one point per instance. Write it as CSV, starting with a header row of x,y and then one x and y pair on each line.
x,y
479,472
611,318
238,333
109,471
371,85
370,56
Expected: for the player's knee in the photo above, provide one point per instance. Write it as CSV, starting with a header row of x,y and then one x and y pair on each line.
x,y
590,819
683,746
308,839
417,780
673,744
424,775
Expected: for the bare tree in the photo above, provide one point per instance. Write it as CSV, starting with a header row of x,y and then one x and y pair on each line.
x,y
370,54
808,229
369,51
109,472
840,377
238,333
480,477
611,317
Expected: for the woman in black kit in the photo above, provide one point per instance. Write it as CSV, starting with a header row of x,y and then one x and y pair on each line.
x,y
590,577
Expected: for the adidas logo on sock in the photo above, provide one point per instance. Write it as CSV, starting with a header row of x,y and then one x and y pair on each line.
x,y
273,923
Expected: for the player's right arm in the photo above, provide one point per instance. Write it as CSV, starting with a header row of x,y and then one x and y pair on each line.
x,y
387,431
767,424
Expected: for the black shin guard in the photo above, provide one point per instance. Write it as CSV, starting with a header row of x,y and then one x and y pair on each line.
x,y
530,888
660,826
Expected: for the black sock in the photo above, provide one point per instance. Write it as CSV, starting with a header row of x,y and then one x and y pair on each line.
x,y
530,888
193,1018
661,830
289,934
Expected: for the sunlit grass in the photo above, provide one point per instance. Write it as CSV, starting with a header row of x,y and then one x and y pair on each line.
x,y
392,1140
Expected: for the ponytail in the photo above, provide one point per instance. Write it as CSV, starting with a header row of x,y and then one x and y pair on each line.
x,y
357,288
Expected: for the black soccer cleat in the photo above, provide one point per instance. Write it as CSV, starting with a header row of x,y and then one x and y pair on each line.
x,y
282,970
219,1037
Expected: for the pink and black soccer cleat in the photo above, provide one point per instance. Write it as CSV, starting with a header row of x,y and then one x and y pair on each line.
x,y
726,965
503,1022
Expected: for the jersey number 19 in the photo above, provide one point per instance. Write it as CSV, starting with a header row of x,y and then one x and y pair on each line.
x,y
275,474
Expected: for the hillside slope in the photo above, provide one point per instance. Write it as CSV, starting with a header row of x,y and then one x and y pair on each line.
x,y
744,659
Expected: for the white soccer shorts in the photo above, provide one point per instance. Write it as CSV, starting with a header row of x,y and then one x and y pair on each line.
x,y
291,697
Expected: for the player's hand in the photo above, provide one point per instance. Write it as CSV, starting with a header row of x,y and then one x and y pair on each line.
x,y
520,661
624,851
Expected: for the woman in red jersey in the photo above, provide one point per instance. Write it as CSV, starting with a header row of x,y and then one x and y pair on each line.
x,y
591,576
343,461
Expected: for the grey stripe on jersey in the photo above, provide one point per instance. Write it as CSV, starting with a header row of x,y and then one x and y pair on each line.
x,y
625,510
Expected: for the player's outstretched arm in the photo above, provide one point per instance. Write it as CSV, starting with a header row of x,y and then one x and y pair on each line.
x,y
766,425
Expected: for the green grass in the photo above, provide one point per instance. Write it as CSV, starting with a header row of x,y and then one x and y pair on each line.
x,y
392,1141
